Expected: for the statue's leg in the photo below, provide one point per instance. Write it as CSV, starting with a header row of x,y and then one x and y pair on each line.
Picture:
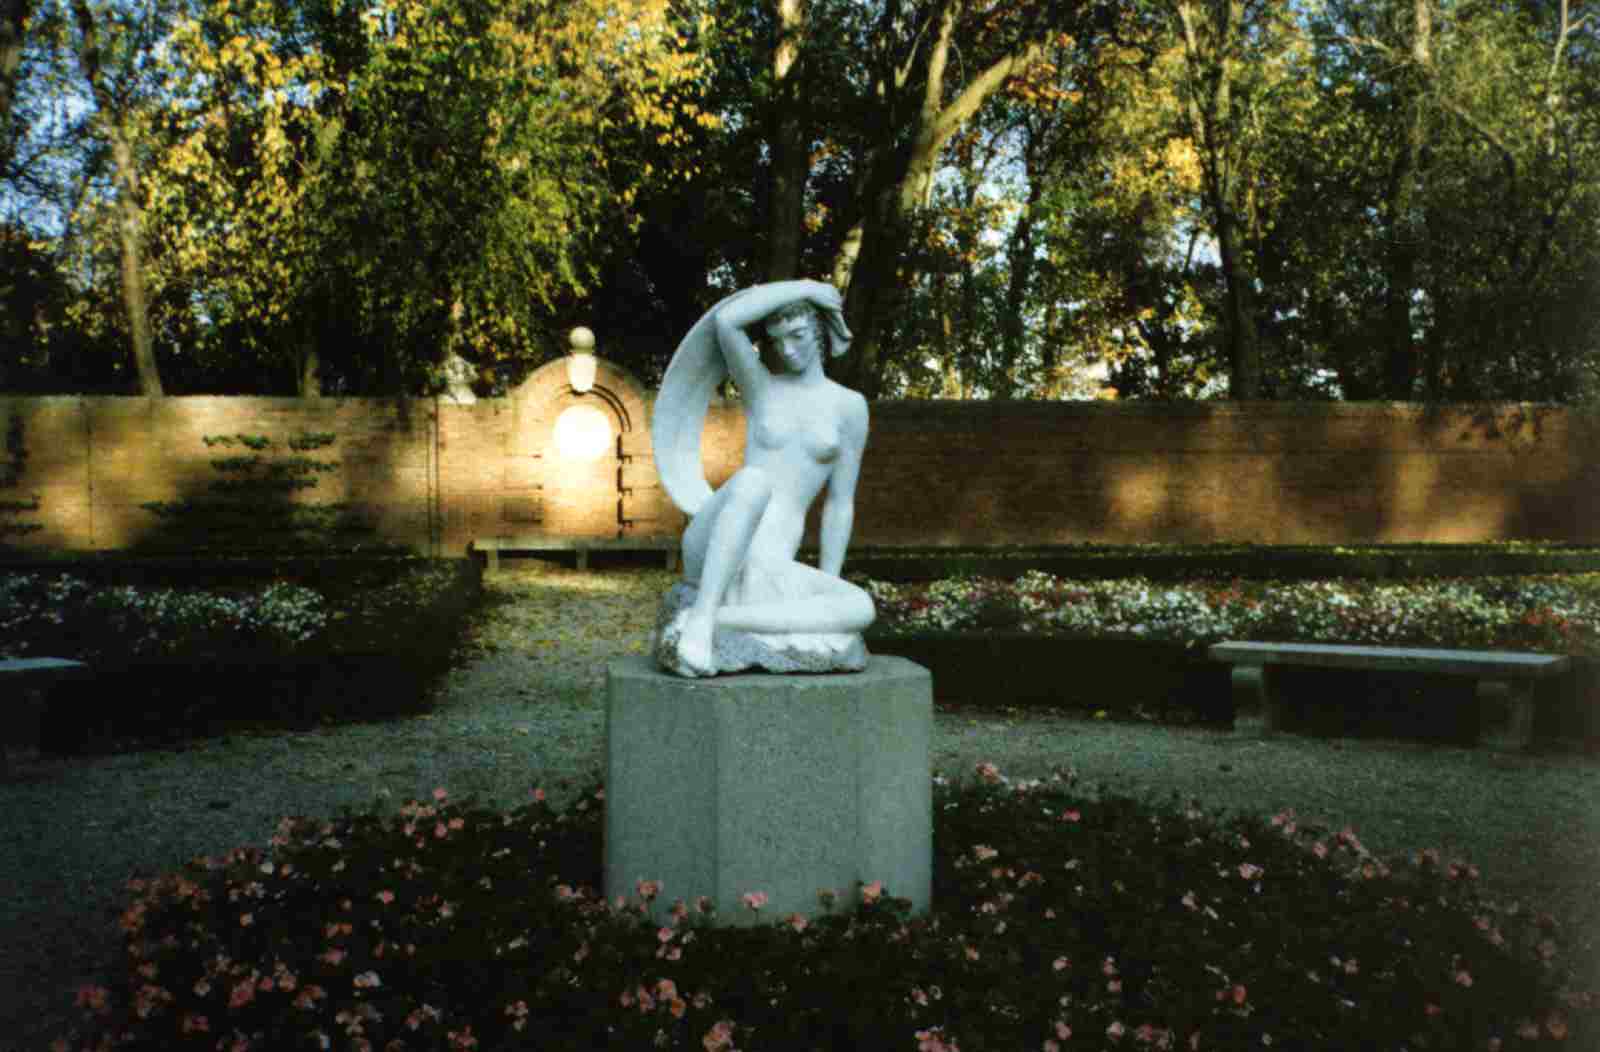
x,y
827,604
714,548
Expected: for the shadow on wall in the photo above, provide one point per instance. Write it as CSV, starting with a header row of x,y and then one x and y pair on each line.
x,y
17,508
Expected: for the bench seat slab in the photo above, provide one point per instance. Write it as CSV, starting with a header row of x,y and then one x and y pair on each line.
x,y
1480,664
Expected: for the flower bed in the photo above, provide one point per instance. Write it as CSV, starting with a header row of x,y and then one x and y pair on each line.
x,y
1557,614
1061,920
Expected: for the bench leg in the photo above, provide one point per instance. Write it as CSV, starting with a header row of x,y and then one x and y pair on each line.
x,y
583,558
1275,698
1520,699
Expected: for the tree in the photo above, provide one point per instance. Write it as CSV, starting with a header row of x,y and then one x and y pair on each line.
x,y
422,176
904,105
121,124
1485,187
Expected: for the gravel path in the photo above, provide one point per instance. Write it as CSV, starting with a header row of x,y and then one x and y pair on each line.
x,y
525,709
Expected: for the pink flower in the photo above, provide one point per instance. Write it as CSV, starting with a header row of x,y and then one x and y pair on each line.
x,y
1063,1031
195,1023
666,989
334,956
440,795
1072,815
1250,871
1145,1034
663,934
1061,964
1351,967
1114,986
538,796
93,998
919,996
1189,901
719,1037
755,899
243,994
1319,849
797,922
983,852
1052,1045
386,897
870,893
1116,1030
1463,978
440,831
1431,1009
1109,967
989,773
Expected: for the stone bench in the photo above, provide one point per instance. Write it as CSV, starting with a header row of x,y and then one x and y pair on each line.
x,y
582,546
22,676
1471,670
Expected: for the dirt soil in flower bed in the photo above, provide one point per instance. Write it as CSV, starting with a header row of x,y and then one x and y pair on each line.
x,y
525,708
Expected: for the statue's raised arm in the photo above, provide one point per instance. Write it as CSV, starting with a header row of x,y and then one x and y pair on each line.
x,y
746,601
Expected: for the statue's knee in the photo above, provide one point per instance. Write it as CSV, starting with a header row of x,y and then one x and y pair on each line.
x,y
860,609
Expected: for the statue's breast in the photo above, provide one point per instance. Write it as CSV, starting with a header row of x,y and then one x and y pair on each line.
x,y
778,429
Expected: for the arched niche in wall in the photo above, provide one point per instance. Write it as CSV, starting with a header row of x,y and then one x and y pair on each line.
x,y
569,453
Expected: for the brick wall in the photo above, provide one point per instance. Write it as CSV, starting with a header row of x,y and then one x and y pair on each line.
x,y
433,475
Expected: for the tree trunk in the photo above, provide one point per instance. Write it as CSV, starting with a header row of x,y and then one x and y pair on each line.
x,y
1208,54
1019,279
1400,258
791,159
130,233
1244,353
13,26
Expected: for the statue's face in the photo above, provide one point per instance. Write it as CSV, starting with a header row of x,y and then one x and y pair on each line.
x,y
796,339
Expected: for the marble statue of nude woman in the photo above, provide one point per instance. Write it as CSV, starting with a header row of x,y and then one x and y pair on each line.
x,y
745,600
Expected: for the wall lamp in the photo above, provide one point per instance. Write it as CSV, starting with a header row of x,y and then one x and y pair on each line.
x,y
581,362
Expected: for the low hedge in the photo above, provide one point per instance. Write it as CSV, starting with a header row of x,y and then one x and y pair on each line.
x,y
393,631
1168,680
1227,561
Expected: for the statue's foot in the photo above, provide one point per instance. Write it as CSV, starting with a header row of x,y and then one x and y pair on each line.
x,y
694,645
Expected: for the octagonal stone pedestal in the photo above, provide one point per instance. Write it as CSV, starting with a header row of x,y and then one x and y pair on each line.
x,y
785,785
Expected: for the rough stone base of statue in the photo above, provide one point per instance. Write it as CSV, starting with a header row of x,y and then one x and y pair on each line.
x,y
783,785
736,651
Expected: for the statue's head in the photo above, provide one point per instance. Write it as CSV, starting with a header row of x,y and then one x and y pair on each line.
x,y
825,327
796,336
